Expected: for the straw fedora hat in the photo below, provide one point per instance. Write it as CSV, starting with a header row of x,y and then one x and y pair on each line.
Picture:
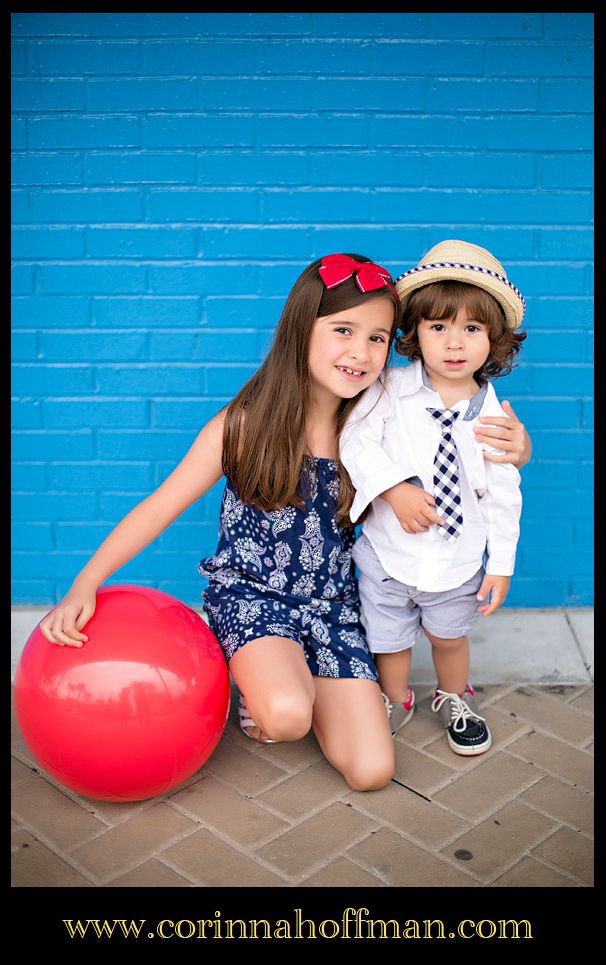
x,y
462,261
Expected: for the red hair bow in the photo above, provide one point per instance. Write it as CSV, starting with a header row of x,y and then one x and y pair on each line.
x,y
335,269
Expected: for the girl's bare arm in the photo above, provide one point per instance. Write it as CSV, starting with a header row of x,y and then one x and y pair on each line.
x,y
197,472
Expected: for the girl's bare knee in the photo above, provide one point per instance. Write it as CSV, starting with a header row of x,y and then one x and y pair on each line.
x,y
370,775
286,718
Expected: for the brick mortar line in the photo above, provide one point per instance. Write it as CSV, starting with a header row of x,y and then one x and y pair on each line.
x,y
221,780
137,812
358,864
62,855
355,861
297,822
554,775
151,853
586,688
305,819
113,827
418,842
539,860
538,726
505,690
550,835
436,760
104,881
232,841
492,753
341,853
262,790
474,822
544,691
261,752
256,859
21,781
586,713
291,770
543,732
66,793
422,845
346,788
117,824
67,849
561,821
534,727
139,807
546,769
128,868
563,871
148,805
292,822
189,881
162,858
526,853
438,856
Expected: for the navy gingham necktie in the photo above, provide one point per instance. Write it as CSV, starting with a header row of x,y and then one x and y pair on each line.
x,y
446,487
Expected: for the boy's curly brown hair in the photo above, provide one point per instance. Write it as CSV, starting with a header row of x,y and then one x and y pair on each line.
x,y
442,300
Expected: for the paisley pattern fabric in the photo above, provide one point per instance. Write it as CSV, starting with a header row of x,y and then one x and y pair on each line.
x,y
288,573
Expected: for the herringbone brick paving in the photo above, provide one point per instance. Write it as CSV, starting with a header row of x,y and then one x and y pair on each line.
x,y
281,816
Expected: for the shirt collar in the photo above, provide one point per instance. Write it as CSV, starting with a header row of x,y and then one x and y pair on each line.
x,y
475,403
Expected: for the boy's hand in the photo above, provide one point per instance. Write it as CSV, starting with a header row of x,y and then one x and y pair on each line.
x,y
498,588
414,507
63,625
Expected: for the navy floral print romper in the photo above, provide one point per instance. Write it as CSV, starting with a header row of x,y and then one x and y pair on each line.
x,y
289,573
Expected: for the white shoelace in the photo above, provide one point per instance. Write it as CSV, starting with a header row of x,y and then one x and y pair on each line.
x,y
460,711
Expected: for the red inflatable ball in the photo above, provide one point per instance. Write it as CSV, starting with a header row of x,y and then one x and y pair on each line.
x,y
133,712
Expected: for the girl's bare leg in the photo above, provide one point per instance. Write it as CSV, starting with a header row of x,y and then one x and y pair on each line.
x,y
278,689
352,728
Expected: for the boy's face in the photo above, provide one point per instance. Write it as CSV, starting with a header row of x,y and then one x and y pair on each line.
x,y
453,349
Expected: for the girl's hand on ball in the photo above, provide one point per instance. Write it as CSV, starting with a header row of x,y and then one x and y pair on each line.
x,y
64,624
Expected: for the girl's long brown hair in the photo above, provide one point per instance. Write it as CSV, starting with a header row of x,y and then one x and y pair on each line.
x,y
264,436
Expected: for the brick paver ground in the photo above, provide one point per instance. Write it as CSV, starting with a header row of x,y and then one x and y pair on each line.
x,y
280,816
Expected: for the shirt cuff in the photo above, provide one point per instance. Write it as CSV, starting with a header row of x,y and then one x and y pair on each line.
x,y
501,564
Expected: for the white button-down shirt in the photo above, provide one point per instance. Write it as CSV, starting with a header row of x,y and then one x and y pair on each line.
x,y
389,438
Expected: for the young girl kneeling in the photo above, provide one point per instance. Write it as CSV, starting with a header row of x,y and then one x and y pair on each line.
x,y
282,598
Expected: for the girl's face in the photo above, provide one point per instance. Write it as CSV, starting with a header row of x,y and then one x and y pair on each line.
x,y
453,349
348,350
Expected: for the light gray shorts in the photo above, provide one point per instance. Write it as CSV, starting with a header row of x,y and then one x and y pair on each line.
x,y
394,612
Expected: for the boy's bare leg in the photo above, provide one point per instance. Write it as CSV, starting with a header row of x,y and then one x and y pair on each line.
x,y
451,660
394,670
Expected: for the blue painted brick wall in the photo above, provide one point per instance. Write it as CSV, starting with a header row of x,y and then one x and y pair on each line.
x,y
173,174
